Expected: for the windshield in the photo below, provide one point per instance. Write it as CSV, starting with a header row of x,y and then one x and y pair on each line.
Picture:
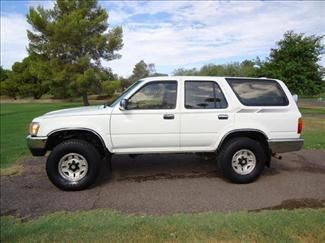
x,y
124,93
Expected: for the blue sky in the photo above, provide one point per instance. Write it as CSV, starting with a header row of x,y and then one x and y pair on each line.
x,y
175,34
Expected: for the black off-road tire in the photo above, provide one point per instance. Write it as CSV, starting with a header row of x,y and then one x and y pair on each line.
x,y
230,148
81,147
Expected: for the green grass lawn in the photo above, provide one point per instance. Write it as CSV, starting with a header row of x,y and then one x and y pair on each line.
x,y
314,123
16,117
314,131
303,225
312,110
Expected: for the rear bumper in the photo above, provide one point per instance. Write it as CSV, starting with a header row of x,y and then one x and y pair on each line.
x,y
37,145
285,145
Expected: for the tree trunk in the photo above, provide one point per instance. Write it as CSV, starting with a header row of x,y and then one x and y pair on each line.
x,y
37,96
85,99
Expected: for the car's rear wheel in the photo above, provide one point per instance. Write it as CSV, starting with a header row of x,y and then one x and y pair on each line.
x,y
242,159
73,165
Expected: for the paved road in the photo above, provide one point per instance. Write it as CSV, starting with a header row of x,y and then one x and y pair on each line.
x,y
166,184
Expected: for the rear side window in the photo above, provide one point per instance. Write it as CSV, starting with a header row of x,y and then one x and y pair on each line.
x,y
252,92
204,95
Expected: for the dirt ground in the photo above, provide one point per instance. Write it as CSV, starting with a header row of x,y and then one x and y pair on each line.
x,y
168,184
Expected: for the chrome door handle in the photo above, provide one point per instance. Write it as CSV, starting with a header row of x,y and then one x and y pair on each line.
x,y
169,116
223,117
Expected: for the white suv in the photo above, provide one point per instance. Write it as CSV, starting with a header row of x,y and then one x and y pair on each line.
x,y
242,121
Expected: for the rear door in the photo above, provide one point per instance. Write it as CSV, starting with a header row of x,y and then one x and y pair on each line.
x,y
205,113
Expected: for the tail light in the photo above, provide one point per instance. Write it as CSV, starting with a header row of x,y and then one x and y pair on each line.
x,y
299,125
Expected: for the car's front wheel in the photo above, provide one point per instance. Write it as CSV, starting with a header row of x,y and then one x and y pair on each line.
x,y
242,159
73,165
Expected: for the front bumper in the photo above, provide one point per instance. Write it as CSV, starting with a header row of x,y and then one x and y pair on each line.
x,y
285,145
37,145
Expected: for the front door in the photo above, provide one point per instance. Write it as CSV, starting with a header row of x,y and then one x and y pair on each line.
x,y
151,121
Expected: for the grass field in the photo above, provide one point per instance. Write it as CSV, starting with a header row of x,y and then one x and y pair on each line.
x,y
303,225
14,126
314,132
313,111
16,117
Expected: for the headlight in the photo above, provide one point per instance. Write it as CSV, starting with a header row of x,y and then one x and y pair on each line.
x,y
33,128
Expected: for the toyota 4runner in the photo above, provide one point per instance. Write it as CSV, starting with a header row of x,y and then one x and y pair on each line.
x,y
240,121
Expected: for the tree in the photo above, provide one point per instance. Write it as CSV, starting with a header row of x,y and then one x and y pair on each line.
x,y
295,60
70,41
23,81
3,74
246,68
140,71
184,72
3,77
25,75
110,87
249,68
158,74
7,86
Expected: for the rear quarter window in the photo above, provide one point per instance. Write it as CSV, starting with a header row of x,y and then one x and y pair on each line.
x,y
257,92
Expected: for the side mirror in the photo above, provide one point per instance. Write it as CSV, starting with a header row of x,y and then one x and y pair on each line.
x,y
295,97
123,104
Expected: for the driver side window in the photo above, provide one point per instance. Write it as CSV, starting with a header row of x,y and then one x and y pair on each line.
x,y
154,95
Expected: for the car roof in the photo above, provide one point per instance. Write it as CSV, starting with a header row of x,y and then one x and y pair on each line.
x,y
199,78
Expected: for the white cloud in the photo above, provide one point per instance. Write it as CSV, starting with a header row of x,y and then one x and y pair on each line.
x,y
228,30
13,39
189,33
